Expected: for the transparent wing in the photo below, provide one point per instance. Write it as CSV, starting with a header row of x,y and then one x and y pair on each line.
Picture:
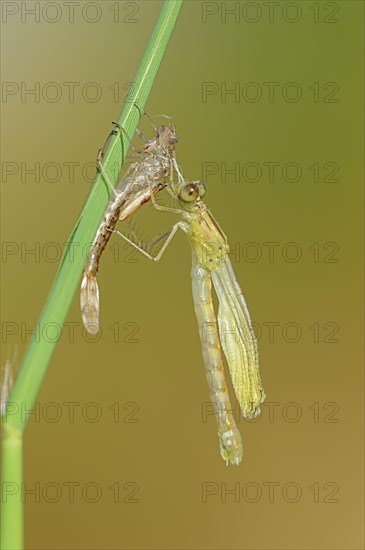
x,y
238,340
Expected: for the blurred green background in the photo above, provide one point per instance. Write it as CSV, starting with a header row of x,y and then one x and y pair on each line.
x,y
136,464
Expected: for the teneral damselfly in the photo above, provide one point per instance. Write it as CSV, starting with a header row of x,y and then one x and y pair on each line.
x,y
235,333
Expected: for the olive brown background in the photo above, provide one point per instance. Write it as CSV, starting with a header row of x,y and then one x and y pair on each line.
x,y
121,451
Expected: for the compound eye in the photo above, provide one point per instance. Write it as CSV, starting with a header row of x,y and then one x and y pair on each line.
x,y
190,192
202,189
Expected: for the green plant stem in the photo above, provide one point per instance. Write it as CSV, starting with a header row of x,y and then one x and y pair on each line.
x,y
49,325
11,490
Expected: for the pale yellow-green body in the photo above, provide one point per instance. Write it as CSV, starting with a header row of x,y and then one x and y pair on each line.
x,y
233,331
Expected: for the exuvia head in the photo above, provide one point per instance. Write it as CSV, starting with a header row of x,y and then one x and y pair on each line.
x,y
166,137
163,143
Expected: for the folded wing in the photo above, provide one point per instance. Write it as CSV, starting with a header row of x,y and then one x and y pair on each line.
x,y
238,340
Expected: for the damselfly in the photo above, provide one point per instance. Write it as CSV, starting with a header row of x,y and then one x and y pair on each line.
x,y
235,332
142,180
